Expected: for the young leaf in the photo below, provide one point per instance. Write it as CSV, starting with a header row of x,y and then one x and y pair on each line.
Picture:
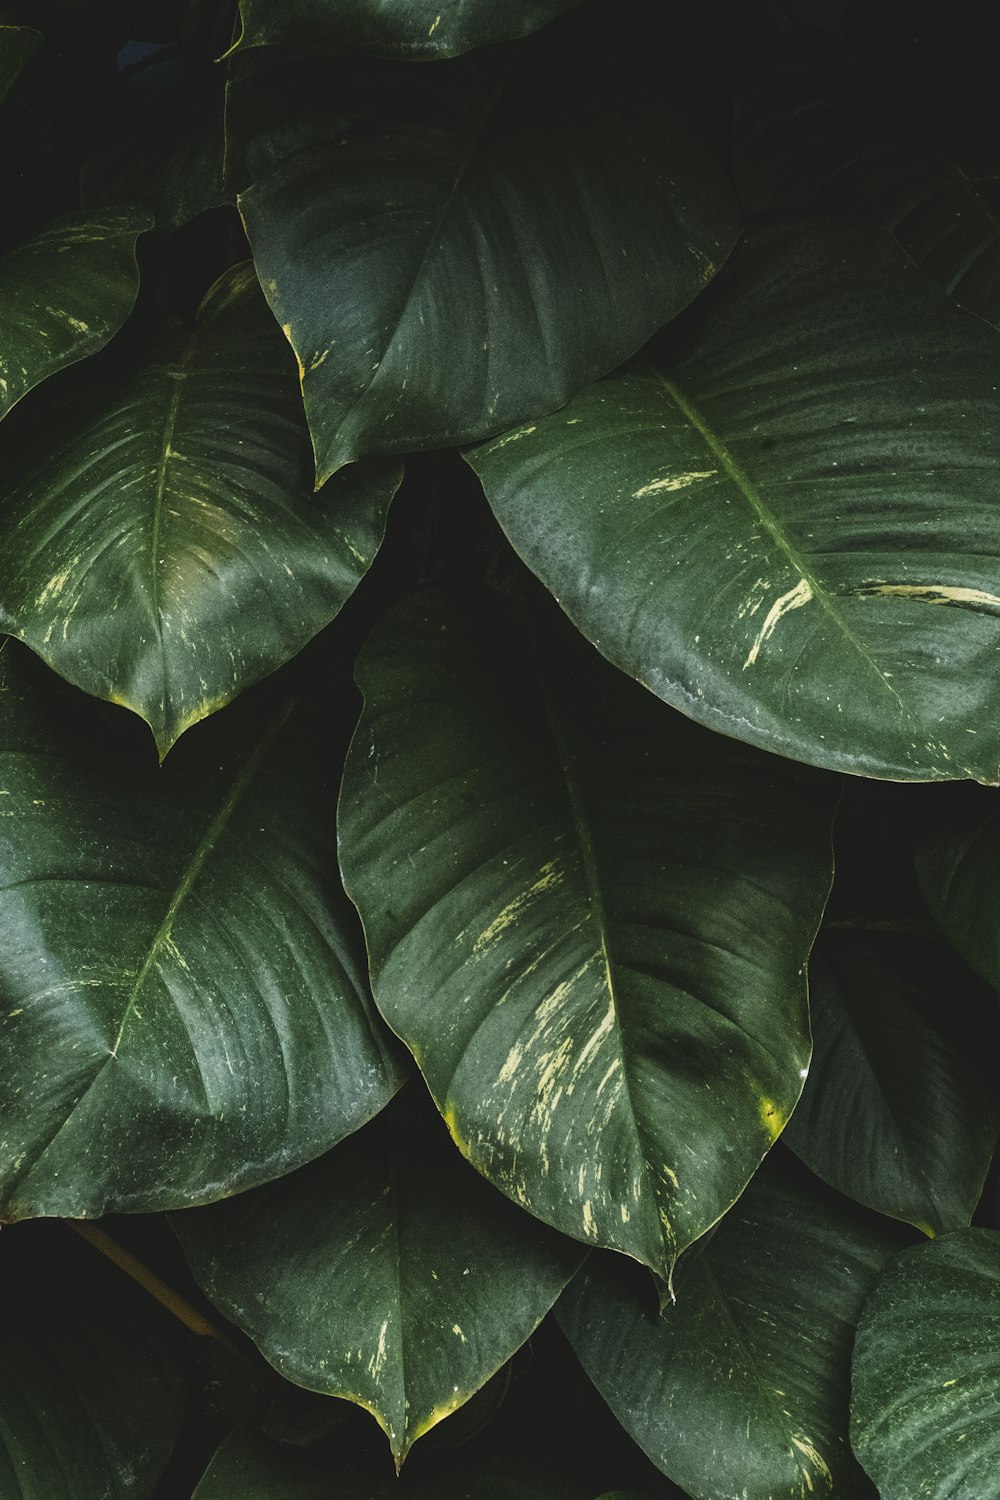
x,y
63,294
182,1009
901,1107
454,248
775,540
925,1406
587,919
742,1387
402,28
178,490
386,1272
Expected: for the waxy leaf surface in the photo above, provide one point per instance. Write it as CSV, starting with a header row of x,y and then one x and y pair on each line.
x,y
791,548
182,1011
63,294
925,1411
587,919
175,505
455,247
387,1272
402,28
902,1104
742,1387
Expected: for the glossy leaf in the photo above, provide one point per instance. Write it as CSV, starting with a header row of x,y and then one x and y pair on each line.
x,y
777,541
586,919
178,490
742,1387
387,1272
182,1011
453,248
958,866
807,144
902,1105
403,28
92,1387
18,44
63,294
925,1418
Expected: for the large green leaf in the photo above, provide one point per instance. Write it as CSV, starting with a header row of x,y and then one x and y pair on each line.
x,y
902,1105
386,1272
958,866
806,143
587,919
777,541
182,1012
453,248
925,1414
403,28
741,1388
174,503
63,294
91,1383
18,44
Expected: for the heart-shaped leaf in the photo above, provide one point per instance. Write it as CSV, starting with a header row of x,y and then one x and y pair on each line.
x,y
386,1272
454,248
587,919
741,1388
403,28
179,491
775,541
182,1009
925,1414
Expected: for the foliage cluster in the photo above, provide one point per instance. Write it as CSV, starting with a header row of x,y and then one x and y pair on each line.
x,y
532,807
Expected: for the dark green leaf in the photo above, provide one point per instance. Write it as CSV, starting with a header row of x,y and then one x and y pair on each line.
x,y
587,919
453,248
386,1272
959,872
182,1011
18,44
63,294
773,533
178,492
403,28
902,1107
742,1387
91,1385
925,1416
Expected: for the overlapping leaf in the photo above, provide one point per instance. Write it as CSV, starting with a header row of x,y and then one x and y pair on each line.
x,y
790,547
63,293
453,248
175,504
958,866
182,1012
386,1272
741,1388
925,1414
403,28
902,1104
587,919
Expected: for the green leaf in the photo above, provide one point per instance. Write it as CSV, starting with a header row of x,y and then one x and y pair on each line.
x,y
387,1272
742,1387
806,144
453,248
182,1009
901,1108
403,28
587,920
63,294
91,1386
925,1406
18,44
178,487
776,541
958,866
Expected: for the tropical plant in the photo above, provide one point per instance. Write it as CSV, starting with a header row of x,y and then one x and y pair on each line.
x,y
535,984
